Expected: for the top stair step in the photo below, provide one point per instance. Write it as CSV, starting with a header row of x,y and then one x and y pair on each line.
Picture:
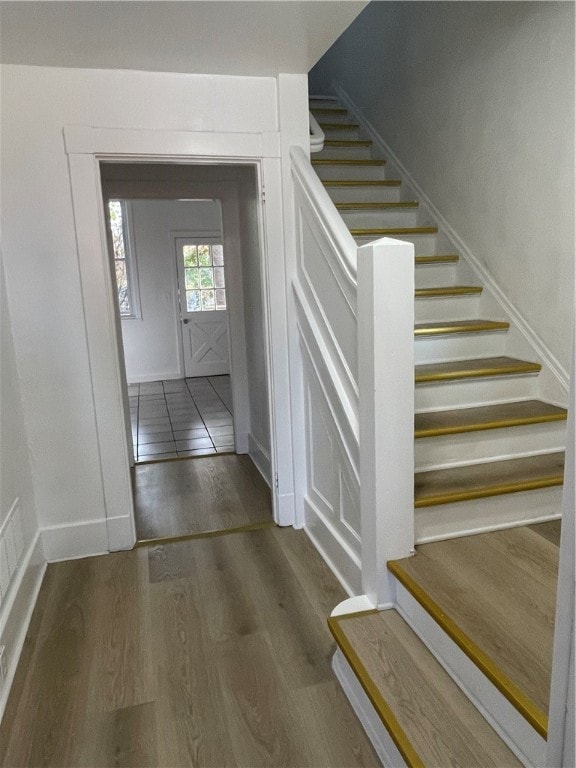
x,y
429,719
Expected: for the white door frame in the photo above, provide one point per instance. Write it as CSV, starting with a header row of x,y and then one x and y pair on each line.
x,y
85,148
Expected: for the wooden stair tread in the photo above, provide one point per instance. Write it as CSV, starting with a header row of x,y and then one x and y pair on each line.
x,y
494,478
467,369
347,143
494,594
383,231
436,423
362,182
338,126
448,290
443,327
347,161
428,717
441,258
376,206
328,110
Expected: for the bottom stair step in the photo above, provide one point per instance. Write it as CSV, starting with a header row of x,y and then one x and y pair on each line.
x,y
429,719
494,594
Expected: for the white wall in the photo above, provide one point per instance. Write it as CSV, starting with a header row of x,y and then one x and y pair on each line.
x,y
477,101
21,555
41,262
152,341
259,438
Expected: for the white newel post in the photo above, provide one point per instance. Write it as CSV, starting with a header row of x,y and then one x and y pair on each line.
x,y
385,312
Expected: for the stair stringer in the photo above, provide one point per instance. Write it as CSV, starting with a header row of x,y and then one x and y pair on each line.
x,y
522,340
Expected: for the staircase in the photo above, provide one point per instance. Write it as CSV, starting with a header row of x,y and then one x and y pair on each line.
x,y
458,671
483,434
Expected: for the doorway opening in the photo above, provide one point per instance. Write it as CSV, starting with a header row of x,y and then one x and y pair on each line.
x,y
184,246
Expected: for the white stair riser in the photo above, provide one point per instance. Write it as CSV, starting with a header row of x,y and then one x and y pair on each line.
x,y
393,217
425,245
348,153
366,172
446,308
458,346
365,712
488,444
348,134
433,275
364,194
527,744
449,521
470,392
329,117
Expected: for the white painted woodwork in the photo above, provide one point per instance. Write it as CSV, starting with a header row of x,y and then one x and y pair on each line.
x,y
488,445
518,734
561,747
450,521
458,346
393,217
336,171
22,561
453,308
381,740
386,411
360,194
470,392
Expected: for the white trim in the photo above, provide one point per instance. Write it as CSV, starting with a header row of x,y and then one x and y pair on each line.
x,y
355,604
261,458
561,747
86,147
71,541
369,718
24,589
316,135
342,560
541,349
85,140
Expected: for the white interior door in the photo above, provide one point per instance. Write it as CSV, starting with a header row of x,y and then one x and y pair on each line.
x,y
203,310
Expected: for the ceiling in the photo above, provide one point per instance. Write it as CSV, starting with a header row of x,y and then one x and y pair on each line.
x,y
204,37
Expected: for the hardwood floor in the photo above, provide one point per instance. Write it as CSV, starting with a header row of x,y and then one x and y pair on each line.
x,y
210,652
178,498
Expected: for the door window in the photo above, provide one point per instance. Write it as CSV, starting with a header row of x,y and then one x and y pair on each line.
x,y
205,284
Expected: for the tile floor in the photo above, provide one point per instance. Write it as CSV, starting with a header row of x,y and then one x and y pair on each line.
x,y
181,417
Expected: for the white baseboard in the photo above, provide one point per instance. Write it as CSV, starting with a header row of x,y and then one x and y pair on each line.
x,y
17,608
261,458
144,379
75,540
365,712
121,533
546,356
341,559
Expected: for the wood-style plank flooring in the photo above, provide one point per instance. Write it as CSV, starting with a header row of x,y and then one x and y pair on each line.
x,y
209,652
183,497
